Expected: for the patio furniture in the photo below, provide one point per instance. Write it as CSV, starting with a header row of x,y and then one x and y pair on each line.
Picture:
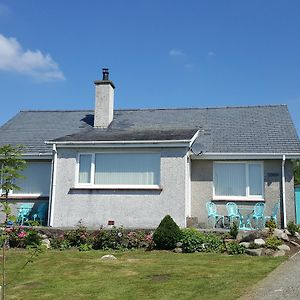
x,y
212,213
41,213
24,211
232,212
245,218
258,214
274,213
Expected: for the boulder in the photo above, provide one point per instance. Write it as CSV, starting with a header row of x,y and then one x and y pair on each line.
x,y
269,252
284,247
297,235
245,244
178,244
295,244
178,250
279,253
46,243
286,231
259,242
108,257
285,237
278,232
254,252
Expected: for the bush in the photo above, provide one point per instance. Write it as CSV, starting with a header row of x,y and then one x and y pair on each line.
x,y
195,241
140,239
234,248
60,242
271,224
292,228
234,230
78,236
167,234
85,247
273,242
20,237
109,239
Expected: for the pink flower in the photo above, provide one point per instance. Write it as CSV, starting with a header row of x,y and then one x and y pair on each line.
x,y
9,230
22,234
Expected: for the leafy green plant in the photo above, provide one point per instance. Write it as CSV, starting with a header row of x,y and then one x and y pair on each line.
x,y
292,228
252,245
78,236
234,230
167,234
85,247
234,248
273,242
271,224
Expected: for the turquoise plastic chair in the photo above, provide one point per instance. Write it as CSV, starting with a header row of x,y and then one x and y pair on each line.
x,y
212,213
24,211
258,214
274,213
232,212
41,213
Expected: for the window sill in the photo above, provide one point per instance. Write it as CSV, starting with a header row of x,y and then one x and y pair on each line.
x,y
233,199
118,187
25,197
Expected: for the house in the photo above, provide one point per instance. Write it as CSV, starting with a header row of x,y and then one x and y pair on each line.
x,y
132,167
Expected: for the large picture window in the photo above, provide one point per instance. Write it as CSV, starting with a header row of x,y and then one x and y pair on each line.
x,y
238,180
119,169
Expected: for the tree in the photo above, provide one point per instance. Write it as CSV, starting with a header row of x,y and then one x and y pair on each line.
x,y
11,165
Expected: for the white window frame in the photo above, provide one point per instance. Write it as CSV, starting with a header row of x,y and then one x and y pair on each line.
x,y
248,197
91,185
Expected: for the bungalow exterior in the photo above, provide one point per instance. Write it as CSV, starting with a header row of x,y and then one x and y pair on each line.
x,y
132,167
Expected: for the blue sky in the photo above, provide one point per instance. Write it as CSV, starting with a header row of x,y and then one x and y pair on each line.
x,y
160,53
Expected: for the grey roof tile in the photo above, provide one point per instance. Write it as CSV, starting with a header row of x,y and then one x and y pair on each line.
x,y
252,129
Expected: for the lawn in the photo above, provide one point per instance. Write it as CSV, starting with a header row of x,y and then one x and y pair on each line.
x,y
135,275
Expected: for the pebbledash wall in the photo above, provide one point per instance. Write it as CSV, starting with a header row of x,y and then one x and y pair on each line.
x,y
128,208
202,189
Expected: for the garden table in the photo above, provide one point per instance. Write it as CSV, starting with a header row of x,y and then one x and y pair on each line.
x,y
245,214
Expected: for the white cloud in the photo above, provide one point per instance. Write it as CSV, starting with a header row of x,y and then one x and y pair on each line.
x,y
33,63
176,52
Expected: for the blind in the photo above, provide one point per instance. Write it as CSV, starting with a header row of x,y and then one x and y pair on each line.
x,y
255,179
85,161
127,168
230,179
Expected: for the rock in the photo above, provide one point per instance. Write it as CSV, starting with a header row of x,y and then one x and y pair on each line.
x,y
254,252
284,237
297,235
295,244
178,245
279,253
269,252
108,257
286,231
178,250
265,230
259,242
46,243
284,247
250,237
43,236
278,232
245,244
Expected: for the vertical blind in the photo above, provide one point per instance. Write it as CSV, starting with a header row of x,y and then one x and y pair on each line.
x,y
238,179
121,168
37,179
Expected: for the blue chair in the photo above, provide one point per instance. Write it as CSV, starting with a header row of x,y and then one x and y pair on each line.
x,y
212,213
232,212
23,214
41,213
274,213
258,214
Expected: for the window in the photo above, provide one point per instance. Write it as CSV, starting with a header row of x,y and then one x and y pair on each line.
x,y
37,179
238,180
119,169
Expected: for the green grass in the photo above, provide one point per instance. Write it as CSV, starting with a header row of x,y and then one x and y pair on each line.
x,y
135,275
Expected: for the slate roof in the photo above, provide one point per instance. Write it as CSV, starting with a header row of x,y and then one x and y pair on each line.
x,y
252,129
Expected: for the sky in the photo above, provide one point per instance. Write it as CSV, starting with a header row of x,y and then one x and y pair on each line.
x,y
161,53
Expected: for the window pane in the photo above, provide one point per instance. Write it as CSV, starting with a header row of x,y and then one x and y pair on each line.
x,y
85,161
255,179
37,179
127,168
230,179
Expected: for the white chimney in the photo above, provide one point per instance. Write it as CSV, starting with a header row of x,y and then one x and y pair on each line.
x,y
104,101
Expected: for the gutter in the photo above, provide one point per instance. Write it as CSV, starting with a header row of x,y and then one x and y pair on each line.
x,y
52,187
283,190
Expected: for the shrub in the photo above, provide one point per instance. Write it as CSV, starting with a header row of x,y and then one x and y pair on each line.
x,y
78,236
109,239
21,237
271,224
167,234
140,239
85,247
195,241
233,248
292,228
60,242
234,230
273,242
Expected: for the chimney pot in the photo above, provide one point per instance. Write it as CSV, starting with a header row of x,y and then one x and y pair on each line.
x,y
105,73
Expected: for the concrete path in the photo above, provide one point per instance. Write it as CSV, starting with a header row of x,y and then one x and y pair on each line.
x,y
282,283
